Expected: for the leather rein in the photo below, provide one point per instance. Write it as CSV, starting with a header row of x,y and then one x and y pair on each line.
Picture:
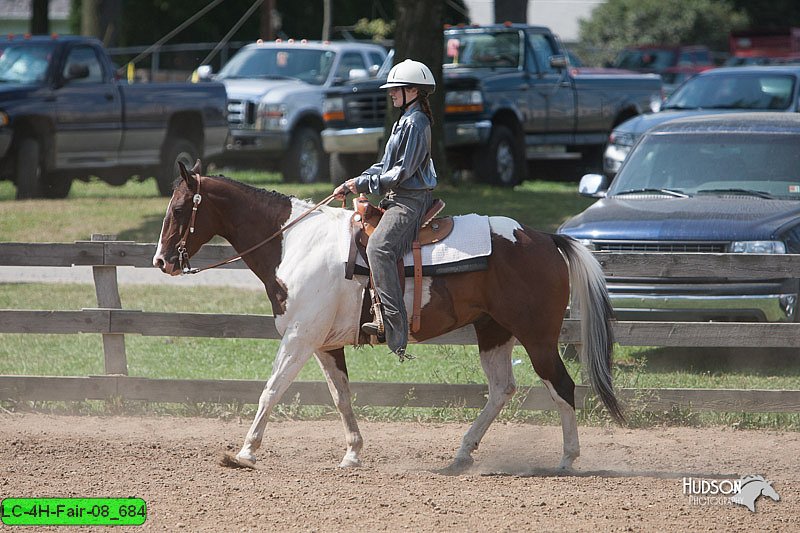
x,y
183,254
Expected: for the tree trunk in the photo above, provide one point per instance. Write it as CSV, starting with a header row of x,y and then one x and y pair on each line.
x,y
40,23
511,11
90,18
419,36
267,24
327,16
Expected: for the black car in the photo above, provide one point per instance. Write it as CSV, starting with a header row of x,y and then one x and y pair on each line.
x,y
716,184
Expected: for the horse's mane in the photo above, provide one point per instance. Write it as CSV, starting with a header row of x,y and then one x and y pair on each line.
x,y
254,191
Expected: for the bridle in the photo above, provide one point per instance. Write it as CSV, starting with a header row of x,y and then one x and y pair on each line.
x,y
183,253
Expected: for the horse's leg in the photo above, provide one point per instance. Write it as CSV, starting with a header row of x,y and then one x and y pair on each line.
x,y
548,365
495,344
292,355
335,370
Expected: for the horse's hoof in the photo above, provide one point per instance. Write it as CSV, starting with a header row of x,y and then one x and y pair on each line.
x,y
350,463
229,460
458,466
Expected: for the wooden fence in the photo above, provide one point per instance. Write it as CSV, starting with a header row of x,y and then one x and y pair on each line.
x,y
113,323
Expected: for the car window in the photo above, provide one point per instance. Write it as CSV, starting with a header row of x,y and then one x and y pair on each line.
x,y
375,60
645,59
542,50
483,49
696,162
81,57
348,62
739,91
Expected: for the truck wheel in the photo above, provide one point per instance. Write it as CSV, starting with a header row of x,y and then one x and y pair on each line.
x,y
346,166
502,161
57,185
176,150
29,171
305,161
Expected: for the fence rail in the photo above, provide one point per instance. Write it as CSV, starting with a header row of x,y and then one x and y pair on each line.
x,y
113,322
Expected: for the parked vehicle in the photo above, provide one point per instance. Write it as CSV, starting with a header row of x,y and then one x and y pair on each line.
x,y
724,183
721,90
660,59
64,115
275,92
762,45
511,96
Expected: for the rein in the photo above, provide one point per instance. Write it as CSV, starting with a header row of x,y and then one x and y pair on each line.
x,y
183,255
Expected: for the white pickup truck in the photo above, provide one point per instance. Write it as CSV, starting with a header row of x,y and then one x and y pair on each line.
x,y
275,92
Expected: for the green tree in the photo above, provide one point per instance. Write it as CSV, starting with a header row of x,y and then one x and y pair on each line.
x,y
620,23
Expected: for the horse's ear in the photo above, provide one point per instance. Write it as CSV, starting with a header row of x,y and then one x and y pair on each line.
x,y
197,168
185,175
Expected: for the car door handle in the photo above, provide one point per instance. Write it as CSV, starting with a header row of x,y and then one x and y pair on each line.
x,y
109,97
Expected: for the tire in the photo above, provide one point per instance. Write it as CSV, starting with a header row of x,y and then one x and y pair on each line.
x,y
175,150
57,185
29,172
502,161
345,166
305,161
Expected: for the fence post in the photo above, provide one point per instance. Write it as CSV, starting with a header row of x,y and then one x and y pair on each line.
x,y
107,291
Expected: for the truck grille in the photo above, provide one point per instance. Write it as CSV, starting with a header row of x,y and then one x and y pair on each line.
x,y
661,246
241,113
366,110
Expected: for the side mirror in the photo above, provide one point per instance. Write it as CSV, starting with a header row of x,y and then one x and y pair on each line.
x,y
558,61
356,73
77,71
593,185
205,72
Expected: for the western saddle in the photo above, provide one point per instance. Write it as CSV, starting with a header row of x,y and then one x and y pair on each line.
x,y
365,219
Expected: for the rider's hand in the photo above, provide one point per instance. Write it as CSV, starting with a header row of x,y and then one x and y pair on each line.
x,y
344,189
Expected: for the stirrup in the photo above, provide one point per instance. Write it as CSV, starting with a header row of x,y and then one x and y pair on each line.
x,y
374,329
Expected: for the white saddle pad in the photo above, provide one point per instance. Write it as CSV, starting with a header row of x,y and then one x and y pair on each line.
x,y
470,238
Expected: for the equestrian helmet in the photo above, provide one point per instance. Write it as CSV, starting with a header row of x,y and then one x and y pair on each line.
x,y
410,73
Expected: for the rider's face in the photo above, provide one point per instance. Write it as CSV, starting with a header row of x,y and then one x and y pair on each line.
x,y
396,94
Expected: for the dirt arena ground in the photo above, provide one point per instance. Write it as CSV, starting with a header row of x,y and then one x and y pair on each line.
x,y
626,480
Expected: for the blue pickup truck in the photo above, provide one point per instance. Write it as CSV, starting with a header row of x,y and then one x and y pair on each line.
x,y
64,115
511,96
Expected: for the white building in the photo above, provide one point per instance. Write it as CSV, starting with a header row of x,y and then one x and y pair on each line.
x,y
15,16
561,16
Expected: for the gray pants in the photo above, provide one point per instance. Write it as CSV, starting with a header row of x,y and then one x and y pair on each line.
x,y
388,243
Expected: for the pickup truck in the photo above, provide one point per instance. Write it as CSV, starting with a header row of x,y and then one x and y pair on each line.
x,y
275,91
65,115
511,96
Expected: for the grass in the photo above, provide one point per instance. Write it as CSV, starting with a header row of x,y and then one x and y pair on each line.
x,y
134,212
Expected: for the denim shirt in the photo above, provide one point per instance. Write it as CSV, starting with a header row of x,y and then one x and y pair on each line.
x,y
406,162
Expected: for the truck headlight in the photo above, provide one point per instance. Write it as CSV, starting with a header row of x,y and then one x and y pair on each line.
x,y
4,120
463,102
333,109
758,247
271,117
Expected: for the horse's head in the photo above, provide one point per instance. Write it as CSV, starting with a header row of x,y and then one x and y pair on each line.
x,y
183,231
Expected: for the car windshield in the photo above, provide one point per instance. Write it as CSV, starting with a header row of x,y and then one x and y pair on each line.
x,y
755,164
483,49
309,65
24,63
734,91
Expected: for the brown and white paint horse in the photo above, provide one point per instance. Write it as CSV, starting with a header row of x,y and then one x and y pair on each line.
x,y
522,296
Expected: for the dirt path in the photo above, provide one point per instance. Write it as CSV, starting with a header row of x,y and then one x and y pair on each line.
x,y
629,480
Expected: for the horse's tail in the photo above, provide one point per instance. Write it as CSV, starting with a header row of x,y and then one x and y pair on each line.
x,y
590,302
